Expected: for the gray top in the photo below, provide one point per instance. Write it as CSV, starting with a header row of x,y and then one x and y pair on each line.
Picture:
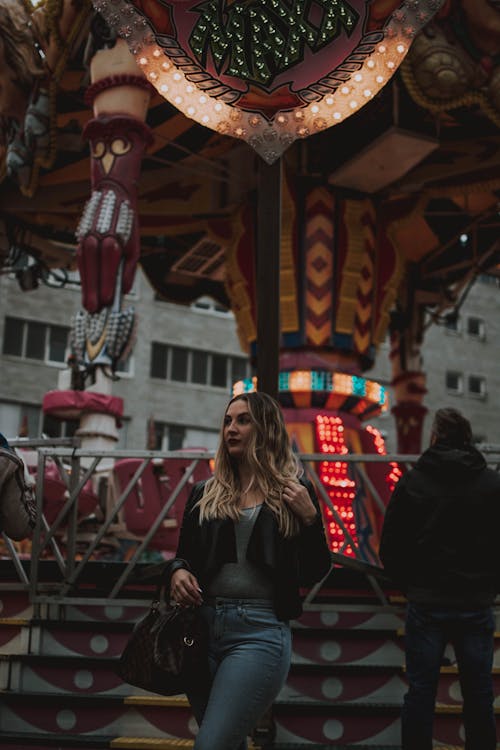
x,y
242,579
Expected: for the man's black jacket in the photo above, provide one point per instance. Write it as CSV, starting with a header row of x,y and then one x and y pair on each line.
x,y
298,561
440,540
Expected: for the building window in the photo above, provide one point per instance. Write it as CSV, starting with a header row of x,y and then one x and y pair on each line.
x,y
477,386
20,420
207,304
125,367
58,341
159,353
239,369
13,337
179,366
34,340
197,366
169,437
454,382
476,328
452,323
219,371
57,428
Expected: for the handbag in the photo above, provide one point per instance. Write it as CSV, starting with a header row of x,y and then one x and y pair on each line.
x,y
167,650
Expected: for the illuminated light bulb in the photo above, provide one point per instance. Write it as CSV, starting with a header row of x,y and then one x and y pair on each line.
x,y
400,48
370,64
153,76
189,89
218,107
315,109
329,100
191,111
320,123
358,77
299,115
164,88
178,99
240,132
379,79
143,61
157,53
166,65
391,64
344,90
367,93
205,118
177,77
337,115
202,99
381,48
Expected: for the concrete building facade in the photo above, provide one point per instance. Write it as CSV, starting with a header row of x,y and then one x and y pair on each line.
x,y
460,358
178,377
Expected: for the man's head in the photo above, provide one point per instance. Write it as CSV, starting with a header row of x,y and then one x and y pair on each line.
x,y
451,428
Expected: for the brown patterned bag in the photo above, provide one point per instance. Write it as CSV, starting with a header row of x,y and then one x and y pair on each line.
x,y
167,651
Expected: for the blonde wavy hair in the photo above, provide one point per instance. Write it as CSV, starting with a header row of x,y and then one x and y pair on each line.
x,y
271,460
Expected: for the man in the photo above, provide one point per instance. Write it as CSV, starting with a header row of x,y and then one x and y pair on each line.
x,y
440,545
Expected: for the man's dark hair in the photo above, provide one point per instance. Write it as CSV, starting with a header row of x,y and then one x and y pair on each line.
x,y
452,428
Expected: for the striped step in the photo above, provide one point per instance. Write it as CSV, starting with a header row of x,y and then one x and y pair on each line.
x,y
145,743
145,716
16,740
300,721
347,646
367,683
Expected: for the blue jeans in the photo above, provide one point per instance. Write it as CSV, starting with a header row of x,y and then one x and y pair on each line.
x,y
249,654
428,630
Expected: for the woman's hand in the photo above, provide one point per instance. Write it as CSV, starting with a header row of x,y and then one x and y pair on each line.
x,y
299,501
185,589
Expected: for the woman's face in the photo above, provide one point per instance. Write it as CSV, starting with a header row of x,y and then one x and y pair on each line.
x,y
238,429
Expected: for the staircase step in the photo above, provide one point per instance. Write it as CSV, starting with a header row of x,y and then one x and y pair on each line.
x,y
97,714
37,741
299,721
17,740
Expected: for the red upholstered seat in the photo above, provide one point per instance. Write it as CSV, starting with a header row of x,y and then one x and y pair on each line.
x,y
55,495
151,492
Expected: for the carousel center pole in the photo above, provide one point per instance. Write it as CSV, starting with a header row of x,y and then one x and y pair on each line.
x,y
268,275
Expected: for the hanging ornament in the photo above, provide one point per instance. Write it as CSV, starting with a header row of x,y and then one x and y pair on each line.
x,y
268,71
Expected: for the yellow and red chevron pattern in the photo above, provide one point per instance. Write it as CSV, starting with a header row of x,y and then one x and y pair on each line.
x,y
363,319
319,245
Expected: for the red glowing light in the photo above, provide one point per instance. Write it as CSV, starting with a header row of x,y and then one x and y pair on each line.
x,y
340,488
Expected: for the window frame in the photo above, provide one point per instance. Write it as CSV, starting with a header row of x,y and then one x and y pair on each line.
x,y
191,353
483,392
460,380
47,328
481,335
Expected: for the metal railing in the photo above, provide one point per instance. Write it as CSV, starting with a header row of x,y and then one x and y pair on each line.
x,y
77,466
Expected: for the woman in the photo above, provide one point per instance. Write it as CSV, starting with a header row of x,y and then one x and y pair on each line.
x,y
250,537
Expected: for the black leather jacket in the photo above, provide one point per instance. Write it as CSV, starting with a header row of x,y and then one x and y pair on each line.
x,y
298,561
